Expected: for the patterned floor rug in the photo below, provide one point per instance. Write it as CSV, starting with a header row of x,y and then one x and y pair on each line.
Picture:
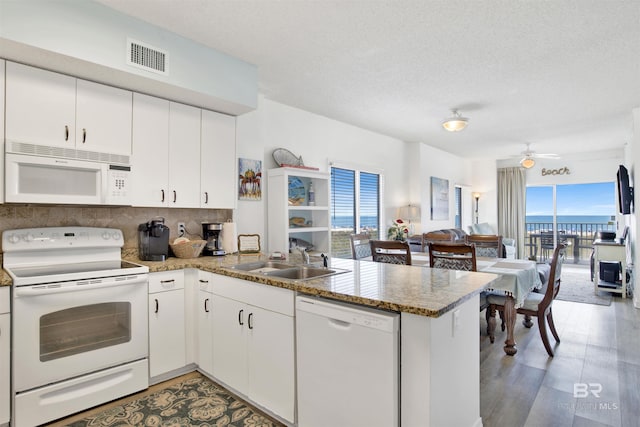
x,y
191,400
576,286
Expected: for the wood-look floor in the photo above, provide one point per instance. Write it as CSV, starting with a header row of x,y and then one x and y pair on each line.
x,y
600,345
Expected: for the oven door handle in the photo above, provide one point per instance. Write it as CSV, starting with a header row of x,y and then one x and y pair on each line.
x,y
35,290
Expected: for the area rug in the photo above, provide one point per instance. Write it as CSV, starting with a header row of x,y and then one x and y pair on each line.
x,y
193,400
576,286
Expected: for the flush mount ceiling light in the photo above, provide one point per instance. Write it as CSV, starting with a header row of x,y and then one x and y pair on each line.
x,y
456,122
527,162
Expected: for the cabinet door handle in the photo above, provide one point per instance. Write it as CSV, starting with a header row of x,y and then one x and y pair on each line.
x,y
157,304
162,196
66,132
240,321
175,196
206,197
250,320
206,309
204,281
84,135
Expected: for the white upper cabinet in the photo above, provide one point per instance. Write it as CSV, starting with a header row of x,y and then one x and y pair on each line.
x,y
2,66
103,118
46,108
218,164
184,156
166,153
41,107
150,151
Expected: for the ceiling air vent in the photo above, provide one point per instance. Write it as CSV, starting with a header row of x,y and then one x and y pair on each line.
x,y
147,57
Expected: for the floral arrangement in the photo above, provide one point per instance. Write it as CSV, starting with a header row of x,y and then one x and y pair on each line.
x,y
398,231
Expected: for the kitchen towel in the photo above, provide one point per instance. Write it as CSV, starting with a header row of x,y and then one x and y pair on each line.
x,y
229,237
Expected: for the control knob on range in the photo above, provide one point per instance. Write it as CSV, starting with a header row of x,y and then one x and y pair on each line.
x,y
14,238
106,235
28,237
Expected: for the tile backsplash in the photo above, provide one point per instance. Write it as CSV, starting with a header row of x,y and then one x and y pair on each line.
x,y
125,218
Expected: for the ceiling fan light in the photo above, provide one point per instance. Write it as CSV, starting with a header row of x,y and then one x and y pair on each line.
x,y
455,123
527,162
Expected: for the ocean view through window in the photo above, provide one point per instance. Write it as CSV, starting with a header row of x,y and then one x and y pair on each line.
x,y
571,213
355,207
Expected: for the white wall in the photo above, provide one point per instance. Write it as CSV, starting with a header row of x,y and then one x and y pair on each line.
x,y
633,221
439,164
591,167
485,182
249,216
319,141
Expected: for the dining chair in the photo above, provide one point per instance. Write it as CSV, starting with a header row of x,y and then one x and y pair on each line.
x,y
390,251
434,237
453,256
546,243
360,247
536,304
458,256
487,245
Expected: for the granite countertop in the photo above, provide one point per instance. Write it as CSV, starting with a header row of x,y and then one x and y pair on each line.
x,y
411,289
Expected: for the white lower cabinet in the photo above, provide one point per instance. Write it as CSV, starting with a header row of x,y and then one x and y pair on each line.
x,y
204,308
5,339
167,340
253,331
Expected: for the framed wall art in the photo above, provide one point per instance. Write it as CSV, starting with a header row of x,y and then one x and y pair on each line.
x,y
249,179
439,198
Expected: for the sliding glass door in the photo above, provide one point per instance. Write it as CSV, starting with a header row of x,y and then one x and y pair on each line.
x,y
570,213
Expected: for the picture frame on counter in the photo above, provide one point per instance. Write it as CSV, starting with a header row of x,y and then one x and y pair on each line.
x,y
248,243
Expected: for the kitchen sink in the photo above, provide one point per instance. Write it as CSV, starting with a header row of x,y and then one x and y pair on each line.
x,y
262,266
305,272
287,271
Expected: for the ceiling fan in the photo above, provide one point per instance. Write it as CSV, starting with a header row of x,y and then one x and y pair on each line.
x,y
528,160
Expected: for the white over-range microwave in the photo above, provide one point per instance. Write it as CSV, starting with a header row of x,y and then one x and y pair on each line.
x,y
40,179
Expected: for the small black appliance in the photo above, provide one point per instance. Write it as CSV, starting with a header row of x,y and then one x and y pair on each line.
x,y
211,233
153,240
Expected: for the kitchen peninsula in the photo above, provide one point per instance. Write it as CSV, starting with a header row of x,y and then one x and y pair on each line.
x,y
439,350
439,344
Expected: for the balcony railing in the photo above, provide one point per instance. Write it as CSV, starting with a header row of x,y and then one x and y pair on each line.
x,y
578,235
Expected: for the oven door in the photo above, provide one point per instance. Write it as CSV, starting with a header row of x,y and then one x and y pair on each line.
x,y
61,330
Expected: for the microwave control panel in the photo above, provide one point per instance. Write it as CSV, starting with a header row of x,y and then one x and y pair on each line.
x,y
118,190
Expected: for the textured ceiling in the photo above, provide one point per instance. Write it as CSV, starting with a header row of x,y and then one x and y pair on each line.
x,y
562,75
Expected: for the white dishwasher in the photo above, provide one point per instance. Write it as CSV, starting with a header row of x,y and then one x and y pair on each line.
x,y
347,365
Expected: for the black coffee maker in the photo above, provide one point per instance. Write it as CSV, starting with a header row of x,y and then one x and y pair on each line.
x,y
211,233
153,240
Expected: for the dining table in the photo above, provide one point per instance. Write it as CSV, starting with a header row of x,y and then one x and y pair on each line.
x,y
518,277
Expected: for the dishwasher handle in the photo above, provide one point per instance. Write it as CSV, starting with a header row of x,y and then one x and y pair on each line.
x,y
344,314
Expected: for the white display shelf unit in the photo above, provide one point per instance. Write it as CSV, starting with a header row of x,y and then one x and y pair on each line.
x,y
300,221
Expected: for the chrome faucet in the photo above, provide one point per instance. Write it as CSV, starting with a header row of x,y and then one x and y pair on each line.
x,y
305,255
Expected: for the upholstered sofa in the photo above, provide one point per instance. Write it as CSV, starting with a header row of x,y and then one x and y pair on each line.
x,y
453,234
